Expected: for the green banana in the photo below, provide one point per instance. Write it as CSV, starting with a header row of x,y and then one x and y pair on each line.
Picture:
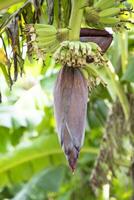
x,y
49,30
110,21
46,44
71,46
84,73
44,26
57,53
103,4
63,34
109,12
45,32
63,54
94,47
40,30
46,39
77,49
91,15
88,48
68,55
52,48
41,25
65,44
83,49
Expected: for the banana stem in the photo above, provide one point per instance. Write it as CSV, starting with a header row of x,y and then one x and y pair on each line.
x,y
75,19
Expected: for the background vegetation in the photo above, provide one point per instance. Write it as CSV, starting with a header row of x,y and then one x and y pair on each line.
x,y
32,164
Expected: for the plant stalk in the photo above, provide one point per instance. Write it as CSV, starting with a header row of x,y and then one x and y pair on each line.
x,y
75,19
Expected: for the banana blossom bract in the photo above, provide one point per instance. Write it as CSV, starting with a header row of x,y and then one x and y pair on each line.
x,y
70,105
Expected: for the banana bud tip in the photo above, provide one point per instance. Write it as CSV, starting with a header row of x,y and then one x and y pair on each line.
x,y
72,167
72,160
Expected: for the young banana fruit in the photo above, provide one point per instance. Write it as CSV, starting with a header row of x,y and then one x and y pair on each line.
x,y
104,4
78,54
107,13
45,38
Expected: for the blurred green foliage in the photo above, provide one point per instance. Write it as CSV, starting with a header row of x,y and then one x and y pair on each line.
x,y
32,164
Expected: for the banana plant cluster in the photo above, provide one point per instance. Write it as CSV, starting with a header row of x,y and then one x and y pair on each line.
x,y
74,55
71,94
73,81
71,89
77,43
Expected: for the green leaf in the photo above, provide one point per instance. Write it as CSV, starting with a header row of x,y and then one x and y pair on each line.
x,y
108,75
12,162
28,158
4,139
47,83
96,114
8,3
45,182
5,73
129,74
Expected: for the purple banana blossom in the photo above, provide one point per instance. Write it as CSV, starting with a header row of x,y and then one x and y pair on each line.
x,y
70,105
101,37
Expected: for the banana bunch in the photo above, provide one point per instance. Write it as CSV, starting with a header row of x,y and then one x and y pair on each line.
x,y
110,13
45,38
93,80
78,54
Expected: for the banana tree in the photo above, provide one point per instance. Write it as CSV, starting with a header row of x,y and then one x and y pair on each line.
x,y
73,33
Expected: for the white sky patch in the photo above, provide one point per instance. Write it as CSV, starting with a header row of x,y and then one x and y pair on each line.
x,y
24,51
106,191
109,30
